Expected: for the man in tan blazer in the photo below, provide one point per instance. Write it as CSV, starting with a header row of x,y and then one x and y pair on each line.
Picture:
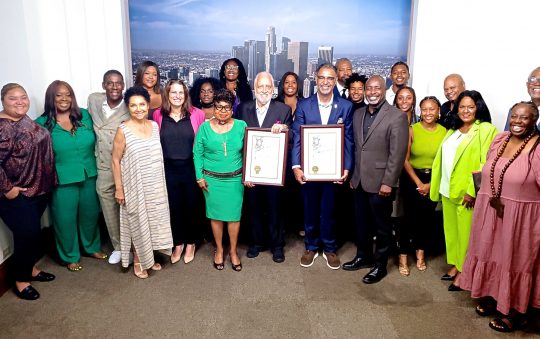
x,y
108,111
381,136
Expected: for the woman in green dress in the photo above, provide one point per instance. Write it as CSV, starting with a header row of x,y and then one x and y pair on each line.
x,y
217,155
74,202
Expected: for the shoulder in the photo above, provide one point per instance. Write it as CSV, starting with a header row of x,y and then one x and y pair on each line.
x,y
240,123
344,103
278,105
196,111
487,126
85,115
499,138
96,98
41,120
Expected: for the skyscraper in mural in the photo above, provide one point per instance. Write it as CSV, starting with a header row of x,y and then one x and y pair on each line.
x,y
270,47
256,58
325,55
298,54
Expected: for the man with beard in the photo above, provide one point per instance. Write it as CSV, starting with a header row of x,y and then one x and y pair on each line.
x,y
533,87
399,73
322,108
108,111
344,71
453,86
264,202
381,136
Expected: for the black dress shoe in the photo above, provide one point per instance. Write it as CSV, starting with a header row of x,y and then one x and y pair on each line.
x,y
454,288
252,252
375,275
448,277
29,293
277,255
44,277
356,264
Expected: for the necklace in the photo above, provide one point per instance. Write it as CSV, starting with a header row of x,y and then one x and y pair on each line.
x,y
495,199
224,137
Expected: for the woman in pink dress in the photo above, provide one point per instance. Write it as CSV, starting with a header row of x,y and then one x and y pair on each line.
x,y
503,261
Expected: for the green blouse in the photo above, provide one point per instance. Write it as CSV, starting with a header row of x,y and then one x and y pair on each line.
x,y
425,145
74,154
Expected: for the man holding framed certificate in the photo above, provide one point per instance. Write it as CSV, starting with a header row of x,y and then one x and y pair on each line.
x,y
322,108
264,201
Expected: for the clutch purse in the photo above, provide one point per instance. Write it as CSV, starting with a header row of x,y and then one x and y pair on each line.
x,y
477,180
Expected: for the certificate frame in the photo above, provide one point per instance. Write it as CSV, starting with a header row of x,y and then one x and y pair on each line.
x,y
322,152
265,156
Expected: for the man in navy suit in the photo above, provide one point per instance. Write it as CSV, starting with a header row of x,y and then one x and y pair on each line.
x,y
322,108
264,202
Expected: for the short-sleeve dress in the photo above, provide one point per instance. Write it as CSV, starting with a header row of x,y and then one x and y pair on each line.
x,y
144,219
503,260
218,159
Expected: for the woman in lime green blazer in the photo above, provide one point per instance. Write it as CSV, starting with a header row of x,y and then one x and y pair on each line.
x,y
462,152
74,202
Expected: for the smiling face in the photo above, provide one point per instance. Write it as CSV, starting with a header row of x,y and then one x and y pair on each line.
x,y
522,121
113,86
404,100
429,111
453,86
400,75
264,88
290,86
206,93
467,110
150,77
222,111
344,71
176,95
16,103
326,80
533,85
375,90
231,70
356,91
138,107
62,99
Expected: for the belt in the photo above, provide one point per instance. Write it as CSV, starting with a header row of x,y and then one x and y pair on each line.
x,y
222,175
423,170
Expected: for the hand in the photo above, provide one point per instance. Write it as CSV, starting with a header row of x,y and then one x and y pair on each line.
x,y
299,175
423,189
14,192
249,184
278,128
343,178
468,201
203,184
119,196
385,190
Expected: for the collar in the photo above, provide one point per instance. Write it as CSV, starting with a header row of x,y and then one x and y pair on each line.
x,y
262,108
377,108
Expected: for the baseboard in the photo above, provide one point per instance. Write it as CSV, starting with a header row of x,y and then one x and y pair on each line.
x,y
4,283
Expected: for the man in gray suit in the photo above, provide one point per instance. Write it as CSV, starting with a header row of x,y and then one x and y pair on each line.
x,y
108,111
381,136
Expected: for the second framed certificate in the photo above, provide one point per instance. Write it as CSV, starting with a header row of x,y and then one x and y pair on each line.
x,y
265,157
322,152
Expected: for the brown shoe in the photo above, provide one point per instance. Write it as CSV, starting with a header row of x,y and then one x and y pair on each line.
x,y
332,260
308,258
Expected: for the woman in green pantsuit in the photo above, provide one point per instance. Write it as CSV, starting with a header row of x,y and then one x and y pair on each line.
x,y
462,152
74,203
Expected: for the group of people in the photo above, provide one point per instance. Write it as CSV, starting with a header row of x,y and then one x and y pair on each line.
x,y
146,158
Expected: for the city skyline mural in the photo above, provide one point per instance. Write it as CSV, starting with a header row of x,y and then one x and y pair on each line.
x,y
189,39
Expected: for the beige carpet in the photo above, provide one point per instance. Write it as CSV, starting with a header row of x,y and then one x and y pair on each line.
x,y
265,300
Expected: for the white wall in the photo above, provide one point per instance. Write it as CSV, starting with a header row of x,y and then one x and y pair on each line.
x,y
71,40
493,44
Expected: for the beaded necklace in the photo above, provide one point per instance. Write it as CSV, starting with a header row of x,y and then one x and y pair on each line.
x,y
495,200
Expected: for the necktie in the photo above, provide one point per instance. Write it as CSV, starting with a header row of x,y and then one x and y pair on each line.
x,y
343,95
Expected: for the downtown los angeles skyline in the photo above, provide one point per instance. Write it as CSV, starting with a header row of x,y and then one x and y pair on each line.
x,y
351,27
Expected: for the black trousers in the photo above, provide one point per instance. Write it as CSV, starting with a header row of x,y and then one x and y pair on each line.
x,y
22,216
422,222
183,199
265,217
373,217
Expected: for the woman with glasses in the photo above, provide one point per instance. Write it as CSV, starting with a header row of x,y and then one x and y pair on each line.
x,y
233,77
462,152
179,122
421,218
202,95
218,167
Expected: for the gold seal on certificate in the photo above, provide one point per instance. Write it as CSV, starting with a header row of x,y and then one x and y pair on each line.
x,y
315,169
257,169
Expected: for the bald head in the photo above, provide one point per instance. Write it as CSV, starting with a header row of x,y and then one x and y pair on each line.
x,y
375,90
533,85
453,86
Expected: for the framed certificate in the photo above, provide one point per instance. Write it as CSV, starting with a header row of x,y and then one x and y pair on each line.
x,y
322,152
265,156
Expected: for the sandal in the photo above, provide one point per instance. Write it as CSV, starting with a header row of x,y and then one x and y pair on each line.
x,y
403,267
99,255
420,262
176,258
142,274
236,268
508,324
156,267
218,265
487,307
74,267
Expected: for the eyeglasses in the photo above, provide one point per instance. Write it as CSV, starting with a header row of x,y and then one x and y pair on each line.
x,y
231,67
534,80
225,108
322,78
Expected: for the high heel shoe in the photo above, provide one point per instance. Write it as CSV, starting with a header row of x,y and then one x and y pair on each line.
x,y
218,265
236,268
403,268
190,253
420,261
156,267
174,258
142,274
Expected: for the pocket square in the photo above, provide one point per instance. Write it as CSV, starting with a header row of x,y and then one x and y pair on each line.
x,y
340,121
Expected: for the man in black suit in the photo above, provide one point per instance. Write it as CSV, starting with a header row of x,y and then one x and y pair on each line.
x,y
264,202
381,136
453,86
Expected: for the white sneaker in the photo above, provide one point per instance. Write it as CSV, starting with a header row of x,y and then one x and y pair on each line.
x,y
115,257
